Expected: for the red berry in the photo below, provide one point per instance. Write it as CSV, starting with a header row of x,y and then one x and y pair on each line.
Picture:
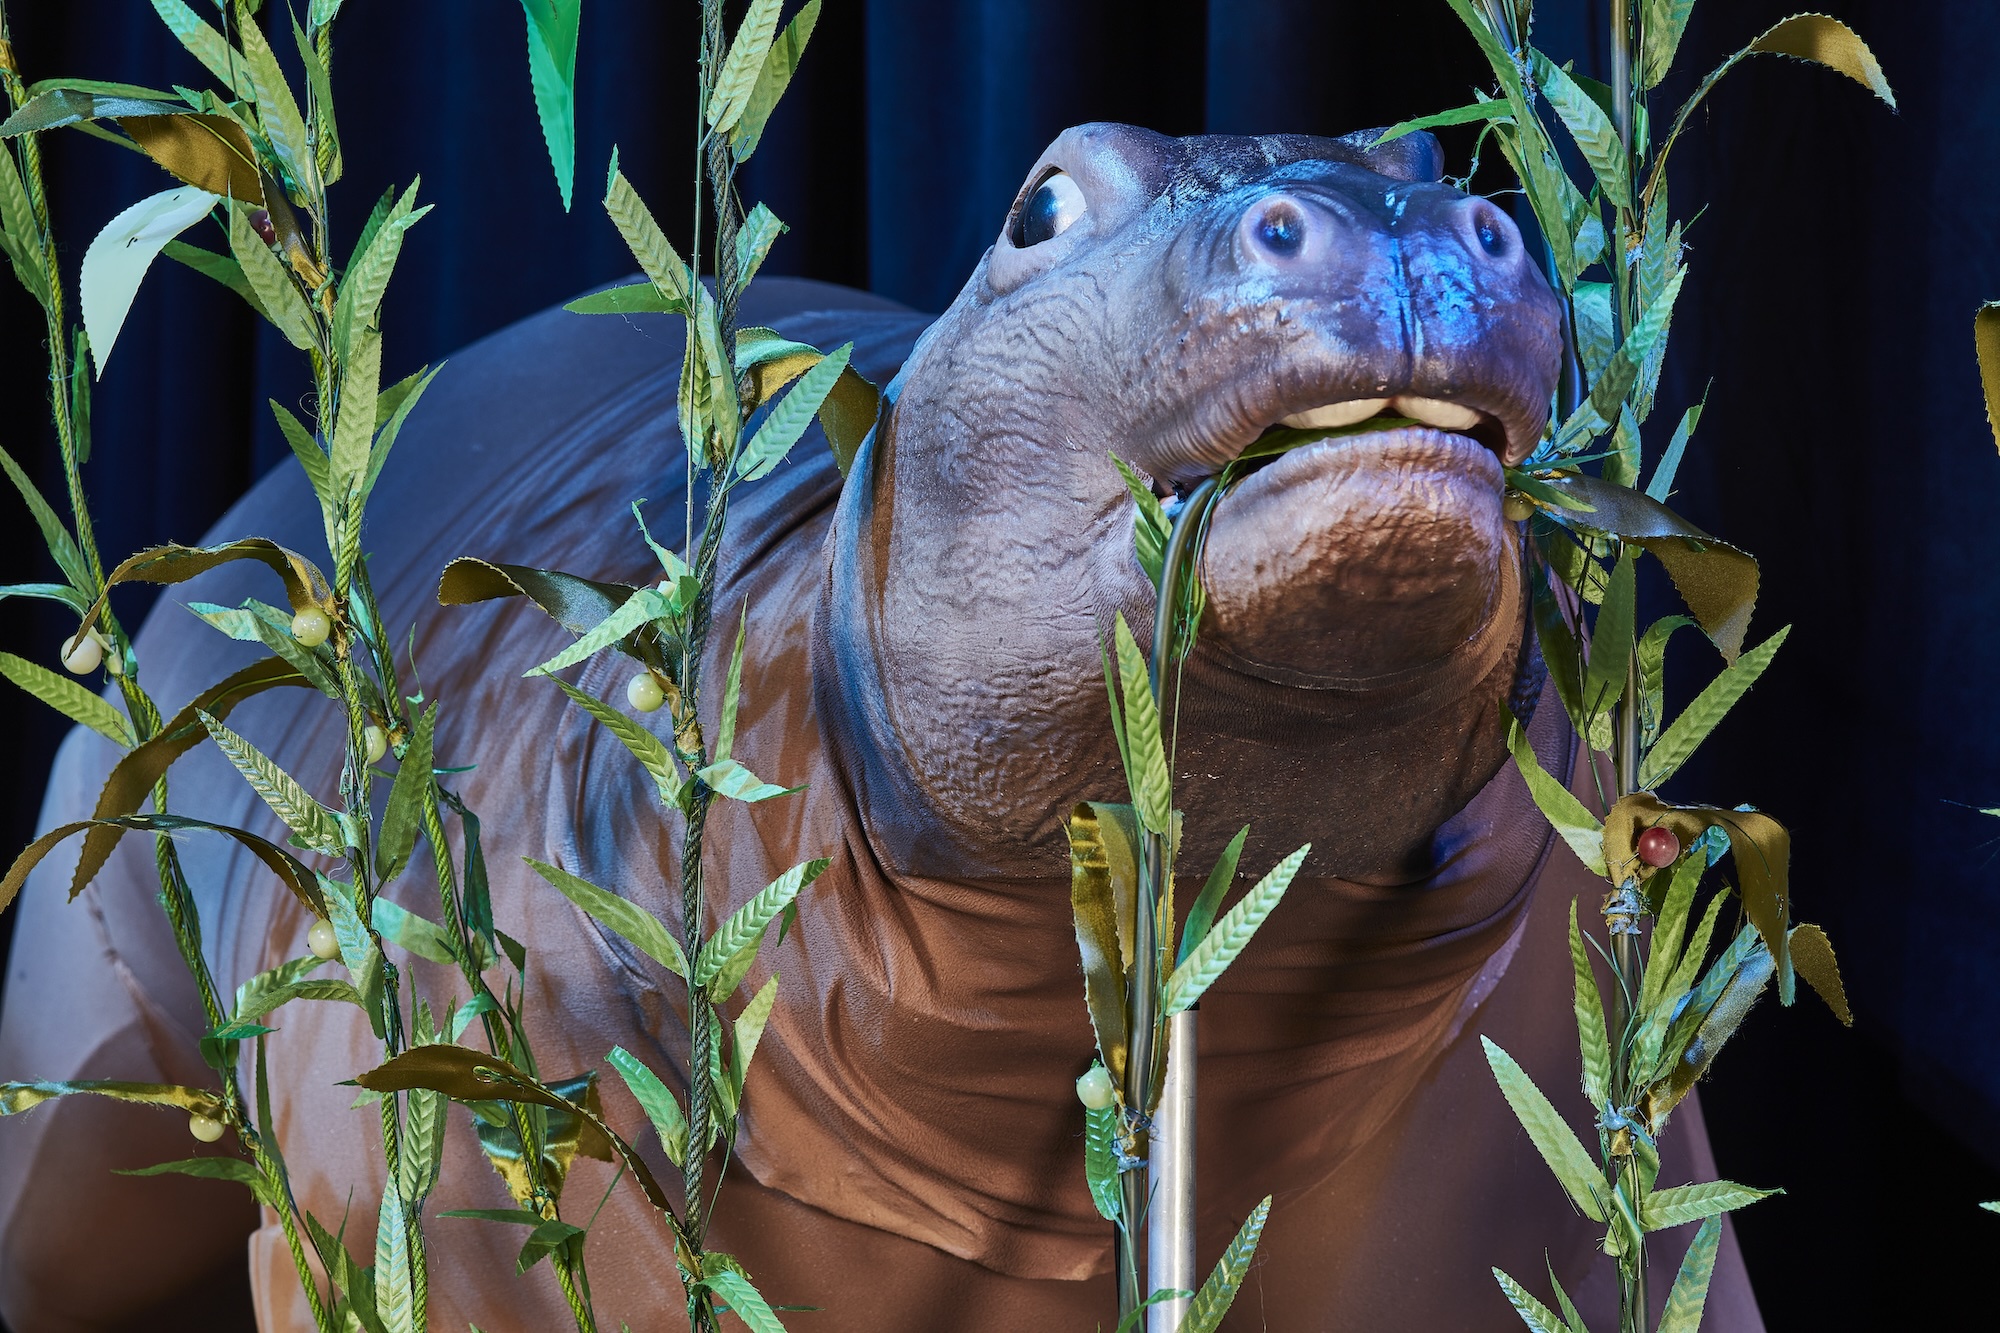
x,y
1659,847
260,222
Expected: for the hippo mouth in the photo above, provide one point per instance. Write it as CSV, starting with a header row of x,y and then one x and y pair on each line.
x,y
1362,422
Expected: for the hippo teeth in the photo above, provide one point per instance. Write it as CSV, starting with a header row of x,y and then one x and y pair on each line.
x,y
1337,414
1436,412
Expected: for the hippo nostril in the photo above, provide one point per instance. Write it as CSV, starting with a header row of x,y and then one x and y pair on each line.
x,y
1282,229
1491,229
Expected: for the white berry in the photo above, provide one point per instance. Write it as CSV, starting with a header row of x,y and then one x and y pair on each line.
x,y
377,741
82,654
1095,1089
311,626
322,941
206,1128
644,693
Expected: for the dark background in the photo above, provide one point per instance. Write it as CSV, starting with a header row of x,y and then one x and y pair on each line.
x,y
1834,275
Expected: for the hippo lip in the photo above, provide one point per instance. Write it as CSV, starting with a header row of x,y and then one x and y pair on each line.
x,y
1352,416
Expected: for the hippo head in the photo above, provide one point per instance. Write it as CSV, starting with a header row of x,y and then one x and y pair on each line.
x,y
1168,301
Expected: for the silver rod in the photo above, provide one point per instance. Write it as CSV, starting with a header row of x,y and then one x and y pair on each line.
x,y
1170,1233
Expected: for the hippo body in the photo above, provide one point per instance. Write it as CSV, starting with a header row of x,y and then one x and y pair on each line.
x,y
921,657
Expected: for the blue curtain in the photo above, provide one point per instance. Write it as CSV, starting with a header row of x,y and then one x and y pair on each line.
x,y
1827,319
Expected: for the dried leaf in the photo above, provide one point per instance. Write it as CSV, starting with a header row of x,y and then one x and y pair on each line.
x,y
1986,341
16,1098
1097,937
1812,958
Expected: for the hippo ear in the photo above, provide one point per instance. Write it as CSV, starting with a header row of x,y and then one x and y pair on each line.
x,y
1416,156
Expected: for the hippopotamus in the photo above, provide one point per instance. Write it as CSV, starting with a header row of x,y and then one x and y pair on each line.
x,y
923,659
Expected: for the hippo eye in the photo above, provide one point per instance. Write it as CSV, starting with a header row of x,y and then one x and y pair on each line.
x,y
1491,238
1050,211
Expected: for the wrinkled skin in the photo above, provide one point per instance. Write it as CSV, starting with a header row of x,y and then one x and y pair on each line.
x,y
1364,592
923,653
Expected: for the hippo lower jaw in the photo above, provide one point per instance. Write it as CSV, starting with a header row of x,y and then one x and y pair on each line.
x,y
1362,562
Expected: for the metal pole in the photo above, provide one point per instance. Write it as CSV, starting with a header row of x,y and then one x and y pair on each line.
x,y
1170,1239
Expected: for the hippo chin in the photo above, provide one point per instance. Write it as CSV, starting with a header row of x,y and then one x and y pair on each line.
x,y
923,655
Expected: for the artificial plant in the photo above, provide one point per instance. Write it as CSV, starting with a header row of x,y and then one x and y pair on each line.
x,y
1616,257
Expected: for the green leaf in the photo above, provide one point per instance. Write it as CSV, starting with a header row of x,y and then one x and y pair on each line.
x,y
1690,1289
1661,22
1475,112
1986,342
277,296
395,1297
1663,473
1533,1313
313,822
69,697
1663,959
1202,913
634,298
312,458
398,402
62,547
644,745
732,694
730,778
1134,1317
1145,755
1591,1040
1231,935
1611,641
416,934
649,245
1596,138
656,1100
546,1238
738,77
1694,1203
744,1299
790,416
1576,825
746,1032
1100,1159
1150,528
354,426
753,242
328,159
117,260
277,110
641,608
780,63
356,1282
1212,1302
1708,708
215,1168
746,924
1550,1133
627,920
552,41
359,305
1652,674
423,1142
205,44
265,1001
403,818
